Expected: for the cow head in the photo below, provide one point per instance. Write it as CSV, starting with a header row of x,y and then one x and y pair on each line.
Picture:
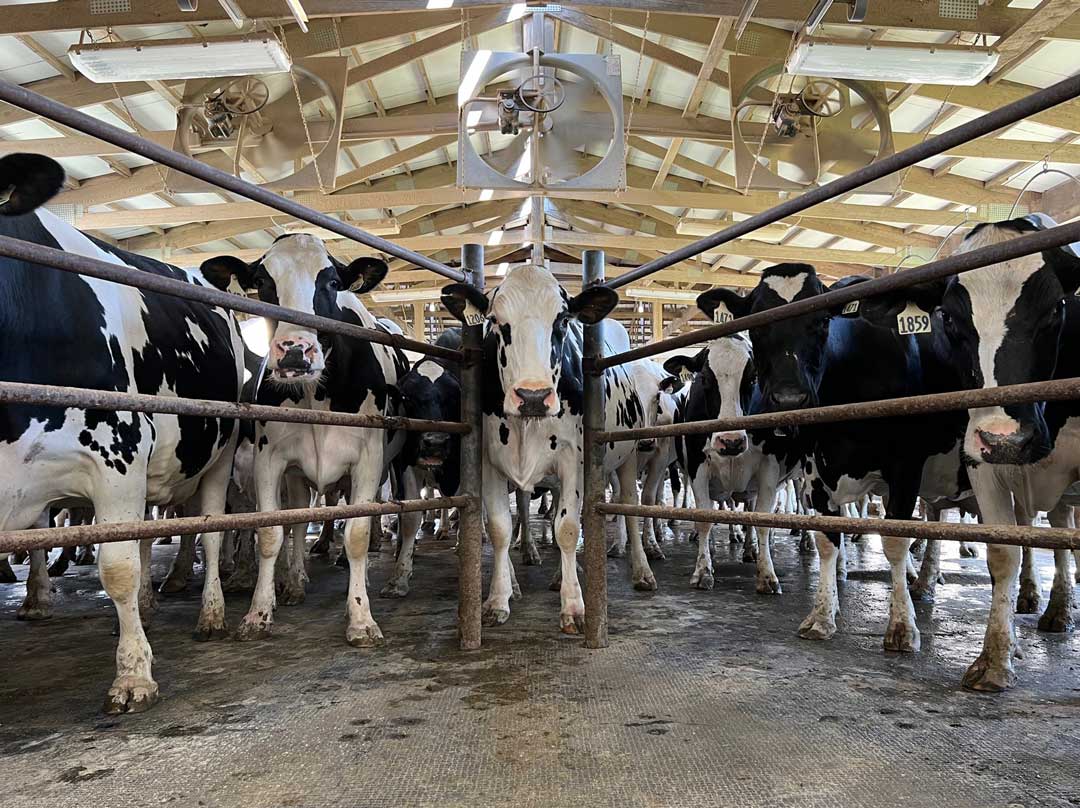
x,y
788,354
431,392
663,404
725,376
28,181
1003,326
297,272
529,316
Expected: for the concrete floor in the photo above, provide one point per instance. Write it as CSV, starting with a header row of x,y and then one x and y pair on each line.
x,y
703,699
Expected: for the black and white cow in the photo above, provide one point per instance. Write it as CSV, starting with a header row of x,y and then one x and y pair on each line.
x,y
323,372
65,329
731,461
822,358
1009,323
532,403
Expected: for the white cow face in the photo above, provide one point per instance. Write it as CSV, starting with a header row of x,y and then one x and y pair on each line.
x,y
529,316
297,272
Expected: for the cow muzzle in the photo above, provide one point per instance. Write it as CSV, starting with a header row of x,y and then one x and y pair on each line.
x,y
1003,441
647,445
295,358
788,398
434,449
729,444
534,402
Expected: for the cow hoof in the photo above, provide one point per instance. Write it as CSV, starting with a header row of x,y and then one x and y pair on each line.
x,y
291,595
342,561
428,528
130,694
368,636
702,581
922,594
572,624
531,556
646,582
806,543
615,551
1057,620
206,632
35,612
7,574
443,534
256,629
749,556
173,586
556,582
1027,602
57,568
768,585
515,590
902,638
971,551
395,589
163,541
813,628
654,553
494,617
989,678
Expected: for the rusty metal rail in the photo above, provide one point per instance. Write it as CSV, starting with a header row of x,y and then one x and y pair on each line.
x,y
89,125
129,276
46,537
84,398
946,267
1056,390
1050,538
986,124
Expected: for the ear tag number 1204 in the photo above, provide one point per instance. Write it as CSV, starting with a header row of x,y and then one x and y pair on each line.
x,y
473,315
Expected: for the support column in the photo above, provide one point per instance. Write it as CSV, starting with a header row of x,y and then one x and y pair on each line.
x,y
595,483
471,526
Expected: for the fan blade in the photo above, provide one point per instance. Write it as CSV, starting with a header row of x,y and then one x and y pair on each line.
x,y
558,157
506,159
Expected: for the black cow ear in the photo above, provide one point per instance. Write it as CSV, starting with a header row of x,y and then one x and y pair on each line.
x,y
684,366
465,302
883,309
722,305
593,304
670,384
28,181
1066,265
363,274
222,269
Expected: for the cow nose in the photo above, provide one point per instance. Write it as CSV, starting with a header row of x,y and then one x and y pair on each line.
x,y
646,445
533,401
788,399
434,440
294,359
1010,448
730,445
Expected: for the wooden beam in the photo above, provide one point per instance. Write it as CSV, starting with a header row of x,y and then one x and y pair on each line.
x,y
393,160
987,97
43,53
111,188
1017,42
709,63
665,163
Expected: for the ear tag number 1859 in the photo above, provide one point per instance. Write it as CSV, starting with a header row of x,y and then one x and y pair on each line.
x,y
913,320
473,315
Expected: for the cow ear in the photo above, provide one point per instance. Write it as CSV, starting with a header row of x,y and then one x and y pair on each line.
x,y
1066,265
221,270
670,384
722,305
28,181
684,366
593,304
883,309
465,302
363,274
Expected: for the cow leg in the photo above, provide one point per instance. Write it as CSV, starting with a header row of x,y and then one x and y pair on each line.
x,y
496,608
38,602
298,496
259,620
530,556
243,574
642,575
650,493
147,598
210,501
567,533
182,567
1029,597
63,561
901,634
820,624
767,583
228,553
7,574
702,578
1058,616
750,549
925,585
362,631
398,585
993,669
444,532
1076,558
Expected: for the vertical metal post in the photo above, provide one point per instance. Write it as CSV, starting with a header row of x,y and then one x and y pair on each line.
x,y
471,525
595,483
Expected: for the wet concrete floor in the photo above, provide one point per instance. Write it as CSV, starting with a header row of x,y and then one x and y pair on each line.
x,y
703,699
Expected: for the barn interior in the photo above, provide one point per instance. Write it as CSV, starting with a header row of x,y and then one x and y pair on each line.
x,y
662,123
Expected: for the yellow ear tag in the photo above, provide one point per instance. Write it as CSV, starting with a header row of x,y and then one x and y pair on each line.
x,y
913,320
473,315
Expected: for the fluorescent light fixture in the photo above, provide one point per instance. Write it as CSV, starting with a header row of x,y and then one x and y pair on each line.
x,y
162,59
407,296
236,14
664,295
298,13
911,62
432,4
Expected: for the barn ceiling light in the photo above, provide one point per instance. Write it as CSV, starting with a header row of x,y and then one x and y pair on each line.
x,y
160,59
407,296
665,295
910,62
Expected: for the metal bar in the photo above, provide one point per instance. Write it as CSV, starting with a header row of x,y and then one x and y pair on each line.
x,y
1056,390
471,527
1038,101
88,125
953,265
129,276
44,538
595,482
1050,538
53,396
